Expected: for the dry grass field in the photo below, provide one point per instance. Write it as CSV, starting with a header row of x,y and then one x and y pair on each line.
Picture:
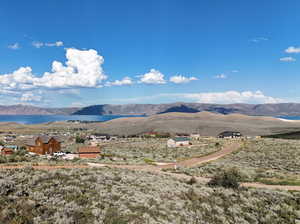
x,y
149,150
126,151
272,161
205,123
114,196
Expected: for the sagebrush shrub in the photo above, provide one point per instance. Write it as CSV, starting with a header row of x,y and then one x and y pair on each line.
x,y
228,178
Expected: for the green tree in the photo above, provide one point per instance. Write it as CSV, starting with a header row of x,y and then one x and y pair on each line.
x,y
79,139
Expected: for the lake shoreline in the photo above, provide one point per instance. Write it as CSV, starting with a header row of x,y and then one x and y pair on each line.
x,y
44,119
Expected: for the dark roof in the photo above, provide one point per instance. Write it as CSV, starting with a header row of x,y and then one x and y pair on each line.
x,y
44,138
181,139
89,149
30,142
11,146
229,133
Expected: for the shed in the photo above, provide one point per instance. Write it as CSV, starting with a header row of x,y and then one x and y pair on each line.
x,y
88,152
195,136
178,141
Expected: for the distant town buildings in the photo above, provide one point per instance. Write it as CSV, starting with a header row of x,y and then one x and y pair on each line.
x,y
230,134
9,138
95,140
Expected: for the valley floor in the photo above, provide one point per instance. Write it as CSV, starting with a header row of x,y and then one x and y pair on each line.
x,y
83,191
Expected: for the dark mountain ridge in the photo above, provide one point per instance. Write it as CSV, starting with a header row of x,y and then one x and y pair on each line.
x,y
281,109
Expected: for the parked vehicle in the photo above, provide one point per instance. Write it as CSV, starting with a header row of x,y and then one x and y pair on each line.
x,y
59,154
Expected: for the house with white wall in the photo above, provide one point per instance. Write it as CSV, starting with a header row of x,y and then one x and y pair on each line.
x,y
178,141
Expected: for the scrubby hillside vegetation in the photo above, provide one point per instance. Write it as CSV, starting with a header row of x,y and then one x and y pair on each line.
x,y
290,135
156,150
204,123
272,161
122,196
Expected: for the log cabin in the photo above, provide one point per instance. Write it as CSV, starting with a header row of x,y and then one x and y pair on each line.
x,y
44,145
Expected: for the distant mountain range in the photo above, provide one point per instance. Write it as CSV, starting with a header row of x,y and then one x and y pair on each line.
x,y
32,110
288,109
281,109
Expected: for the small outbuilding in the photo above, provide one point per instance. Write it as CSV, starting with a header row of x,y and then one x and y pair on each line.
x,y
178,141
88,152
6,151
195,136
230,134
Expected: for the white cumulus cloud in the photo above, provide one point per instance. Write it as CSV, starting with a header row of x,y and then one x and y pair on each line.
x,y
231,97
259,39
178,79
287,59
77,104
227,97
292,50
20,79
30,97
55,44
38,44
221,76
125,81
83,68
153,77
14,46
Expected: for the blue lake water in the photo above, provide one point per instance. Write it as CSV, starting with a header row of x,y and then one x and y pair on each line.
x,y
38,119
289,117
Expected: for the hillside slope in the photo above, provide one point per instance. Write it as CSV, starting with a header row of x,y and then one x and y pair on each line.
x,y
205,123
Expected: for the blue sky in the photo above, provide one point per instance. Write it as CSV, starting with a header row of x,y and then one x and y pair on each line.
x,y
63,53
